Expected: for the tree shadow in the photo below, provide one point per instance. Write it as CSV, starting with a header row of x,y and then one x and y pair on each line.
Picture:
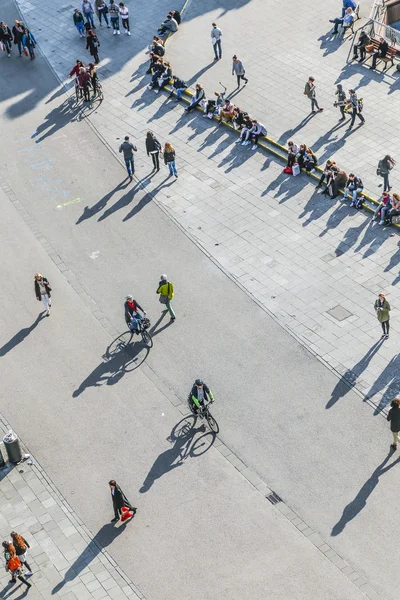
x,y
349,379
20,336
196,9
360,501
121,357
103,538
185,445
389,379
89,212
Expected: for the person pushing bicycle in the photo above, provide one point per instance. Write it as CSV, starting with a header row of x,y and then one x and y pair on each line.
x,y
201,395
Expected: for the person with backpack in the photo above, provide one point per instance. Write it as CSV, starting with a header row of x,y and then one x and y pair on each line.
x,y
385,165
353,187
166,291
102,11
153,149
357,107
79,22
84,83
113,10
13,564
6,37
21,548
93,44
341,101
119,501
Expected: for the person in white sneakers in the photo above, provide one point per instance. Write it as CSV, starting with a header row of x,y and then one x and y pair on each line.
x,y
42,292
124,12
113,10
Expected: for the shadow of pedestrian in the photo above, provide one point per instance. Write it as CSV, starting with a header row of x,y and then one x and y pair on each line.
x,y
195,78
154,331
55,120
360,501
20,336
389,379
349,379
330,42
10,590
289,133
148,197
89,212
103,538
315,208
182,437
121,357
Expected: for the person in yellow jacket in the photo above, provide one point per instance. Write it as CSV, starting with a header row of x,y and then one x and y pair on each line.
x,y
166,291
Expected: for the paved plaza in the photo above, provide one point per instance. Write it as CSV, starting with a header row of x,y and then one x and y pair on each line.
x,y
313,264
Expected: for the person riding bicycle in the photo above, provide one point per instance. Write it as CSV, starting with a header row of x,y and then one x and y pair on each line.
x,y
131,313
200,395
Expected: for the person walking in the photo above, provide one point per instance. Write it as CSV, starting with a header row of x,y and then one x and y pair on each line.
x,y
124,12
357,107
169,159
18,32
128,149
102,11
93,44
29,41
341,101
119,500
385,165
113,10
13,564
21,548
153,148
79,22
43,291
166,291
88,13
239,70
394,420
382,309
6,37
310,92
216,35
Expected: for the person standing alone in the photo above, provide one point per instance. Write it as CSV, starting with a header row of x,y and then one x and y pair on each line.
x,y
216,35
394,419
382,309
119,500
169,159
166,291
310,92
42,292
128,149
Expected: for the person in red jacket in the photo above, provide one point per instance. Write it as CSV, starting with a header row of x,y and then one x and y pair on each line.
x,y
75,70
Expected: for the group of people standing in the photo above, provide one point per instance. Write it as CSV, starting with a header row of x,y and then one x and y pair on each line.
x,y
20,36
15,557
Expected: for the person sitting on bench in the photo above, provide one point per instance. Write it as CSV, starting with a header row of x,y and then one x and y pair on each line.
x,y
346,21
381,52
363,41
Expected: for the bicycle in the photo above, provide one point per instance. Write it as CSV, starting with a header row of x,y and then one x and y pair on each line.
x,y
142,325
78,91
204,413
99,91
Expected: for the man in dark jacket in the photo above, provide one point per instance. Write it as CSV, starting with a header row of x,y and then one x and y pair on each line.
x,y
128,149
178,86
131,312
353,187
363,41
381,52
6,37
200,394
119,500
42,292
394,418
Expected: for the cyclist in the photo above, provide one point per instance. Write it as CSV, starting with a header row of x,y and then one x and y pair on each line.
x,y
131,313
200,395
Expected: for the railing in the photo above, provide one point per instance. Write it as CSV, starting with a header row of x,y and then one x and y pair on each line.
x,y
376,29
378,11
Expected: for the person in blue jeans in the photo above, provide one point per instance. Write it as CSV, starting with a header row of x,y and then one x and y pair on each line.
x,y
128,149
79,22
178,86
88,13
353,187
113,11
18,32
169,159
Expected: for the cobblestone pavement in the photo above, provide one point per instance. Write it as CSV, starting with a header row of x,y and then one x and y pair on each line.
x,y
315,264
67,562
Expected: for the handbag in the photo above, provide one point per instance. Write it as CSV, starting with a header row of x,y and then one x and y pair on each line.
x,y
163,299
295,169
3,47
14,564
369,48
288,170
26,51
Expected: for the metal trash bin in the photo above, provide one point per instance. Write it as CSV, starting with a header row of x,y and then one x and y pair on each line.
x,y
13,449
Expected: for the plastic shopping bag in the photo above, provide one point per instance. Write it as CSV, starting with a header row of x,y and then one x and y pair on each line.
x,y
295,169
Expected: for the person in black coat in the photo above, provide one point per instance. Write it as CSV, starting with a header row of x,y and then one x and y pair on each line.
x,y
153,147
43,291
18,32
381,53
6,37
119,500
93,44
394,418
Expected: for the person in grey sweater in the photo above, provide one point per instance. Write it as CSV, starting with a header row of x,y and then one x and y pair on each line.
x,y
238,70
128,149
216,35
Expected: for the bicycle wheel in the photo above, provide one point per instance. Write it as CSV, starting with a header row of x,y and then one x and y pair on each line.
x,y
212,423
77,93
100,94
147,340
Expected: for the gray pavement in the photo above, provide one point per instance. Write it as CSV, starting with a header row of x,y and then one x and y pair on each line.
x,y
285,255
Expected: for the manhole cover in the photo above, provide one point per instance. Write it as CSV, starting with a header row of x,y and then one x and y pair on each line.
x,y
339,313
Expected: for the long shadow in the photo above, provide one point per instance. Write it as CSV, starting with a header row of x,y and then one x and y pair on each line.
x,y
360,501
56,119
330,42
349,379
89,212
289,133
20,336
196,77
121,357
148,197
351,235
315,208
389,379
9,590
184,445
103,538
374,237
394,261
127,198
340,213
154,331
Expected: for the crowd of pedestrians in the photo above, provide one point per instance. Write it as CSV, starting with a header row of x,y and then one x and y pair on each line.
x,y
19,36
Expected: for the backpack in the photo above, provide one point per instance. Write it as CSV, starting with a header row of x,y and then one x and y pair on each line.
x,y
360,105
14,564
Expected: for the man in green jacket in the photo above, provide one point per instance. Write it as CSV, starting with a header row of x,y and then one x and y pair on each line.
x,y
166,291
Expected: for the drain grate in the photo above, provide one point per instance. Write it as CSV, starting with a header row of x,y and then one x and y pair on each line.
x,y
273,498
